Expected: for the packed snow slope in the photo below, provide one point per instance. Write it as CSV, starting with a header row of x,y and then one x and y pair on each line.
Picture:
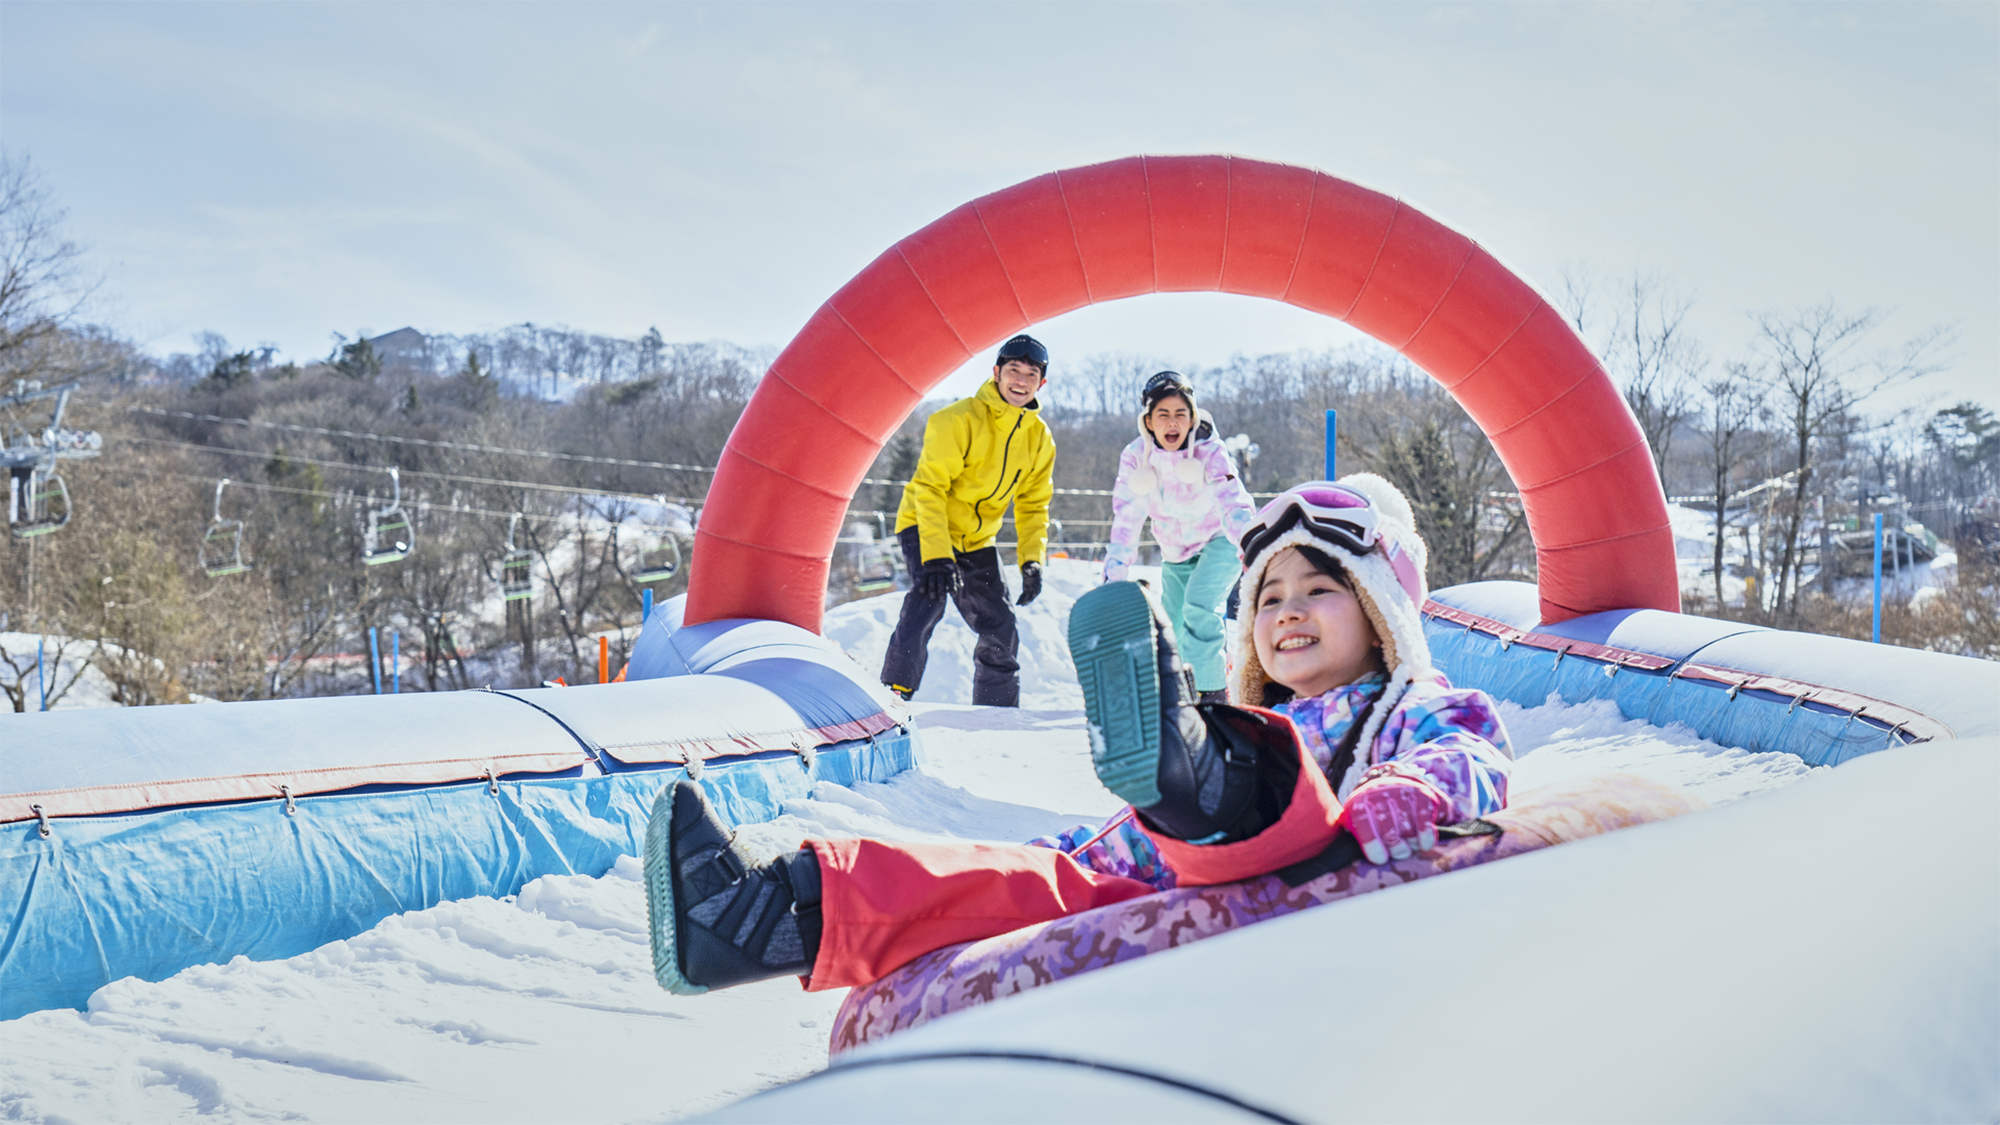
x,y
543,1008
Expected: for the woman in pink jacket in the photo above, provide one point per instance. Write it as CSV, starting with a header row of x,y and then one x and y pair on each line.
x,y
1177,474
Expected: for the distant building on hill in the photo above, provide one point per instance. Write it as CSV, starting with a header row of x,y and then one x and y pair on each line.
x,y
405,347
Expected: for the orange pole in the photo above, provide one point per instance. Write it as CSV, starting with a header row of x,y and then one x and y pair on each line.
x,y
604,660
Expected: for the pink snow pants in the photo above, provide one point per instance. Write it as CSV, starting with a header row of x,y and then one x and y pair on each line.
x,y
884,904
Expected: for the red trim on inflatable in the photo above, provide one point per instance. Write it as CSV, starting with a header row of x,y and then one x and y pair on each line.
x,y
1889,716
1508,635
706,749
99,800
1156,224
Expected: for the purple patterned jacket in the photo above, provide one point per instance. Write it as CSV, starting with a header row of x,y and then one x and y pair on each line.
x,y
1453,734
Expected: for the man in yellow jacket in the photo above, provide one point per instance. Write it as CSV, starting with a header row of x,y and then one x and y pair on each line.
x,y
980,454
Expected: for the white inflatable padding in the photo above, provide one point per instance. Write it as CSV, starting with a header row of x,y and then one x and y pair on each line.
x,y
1829,951
118,759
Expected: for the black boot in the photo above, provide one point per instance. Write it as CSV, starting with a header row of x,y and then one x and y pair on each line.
x,y
716,919
1205,772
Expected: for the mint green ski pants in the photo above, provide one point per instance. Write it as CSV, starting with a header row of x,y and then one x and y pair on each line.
x,y
1193,596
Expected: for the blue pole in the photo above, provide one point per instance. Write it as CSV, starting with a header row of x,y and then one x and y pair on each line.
x,y
375,659
396,662
1878,578
42,674
1332,424
645,605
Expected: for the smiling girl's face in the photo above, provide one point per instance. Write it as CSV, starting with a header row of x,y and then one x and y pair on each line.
x,y
1311,633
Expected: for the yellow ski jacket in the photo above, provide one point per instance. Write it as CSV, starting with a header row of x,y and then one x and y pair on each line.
x,y
980,454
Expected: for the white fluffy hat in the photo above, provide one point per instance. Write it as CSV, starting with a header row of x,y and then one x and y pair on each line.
x,y
1390,584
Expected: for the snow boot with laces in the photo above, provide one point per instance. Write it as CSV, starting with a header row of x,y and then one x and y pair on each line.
x,y
718,919
1196,771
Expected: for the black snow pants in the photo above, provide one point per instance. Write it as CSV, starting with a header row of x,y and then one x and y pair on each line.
x,y
983,601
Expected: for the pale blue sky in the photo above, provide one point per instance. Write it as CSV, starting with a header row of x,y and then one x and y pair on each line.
x,y
279,172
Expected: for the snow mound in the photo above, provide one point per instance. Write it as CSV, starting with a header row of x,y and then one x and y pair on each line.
x,y
1563,742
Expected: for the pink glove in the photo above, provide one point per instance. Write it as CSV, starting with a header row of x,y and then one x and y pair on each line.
x,y
1394,813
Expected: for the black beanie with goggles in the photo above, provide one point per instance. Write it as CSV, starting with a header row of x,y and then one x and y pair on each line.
x,y
1027,349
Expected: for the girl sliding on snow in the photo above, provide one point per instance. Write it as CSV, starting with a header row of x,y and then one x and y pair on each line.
x,y
1361,736
1177,474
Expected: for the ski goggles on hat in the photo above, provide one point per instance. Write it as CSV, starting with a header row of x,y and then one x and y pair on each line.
x,y
1025,348
1334,514
1165,385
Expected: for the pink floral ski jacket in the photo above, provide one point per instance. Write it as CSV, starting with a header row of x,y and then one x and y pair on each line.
x,y
1191,494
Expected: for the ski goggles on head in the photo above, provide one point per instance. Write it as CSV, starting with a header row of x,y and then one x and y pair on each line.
x,y
1025,348
1335,514
1166,385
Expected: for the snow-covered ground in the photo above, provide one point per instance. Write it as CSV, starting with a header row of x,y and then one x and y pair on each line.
x,y
542,1007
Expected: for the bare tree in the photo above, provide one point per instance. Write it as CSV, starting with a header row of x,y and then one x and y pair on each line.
x,y
42,287
1818,375
62,659
1734,400
1449,479
1643,338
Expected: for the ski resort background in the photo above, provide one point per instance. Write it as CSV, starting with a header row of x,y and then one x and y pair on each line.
x,y
568,453
744,685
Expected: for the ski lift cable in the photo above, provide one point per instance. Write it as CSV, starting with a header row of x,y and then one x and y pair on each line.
x,y
473,447
460,509
573,490
521,484
420,505
470,447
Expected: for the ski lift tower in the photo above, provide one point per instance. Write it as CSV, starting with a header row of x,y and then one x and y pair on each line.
x,y
37,499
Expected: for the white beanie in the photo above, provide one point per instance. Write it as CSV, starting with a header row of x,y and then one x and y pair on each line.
x,y
1388,581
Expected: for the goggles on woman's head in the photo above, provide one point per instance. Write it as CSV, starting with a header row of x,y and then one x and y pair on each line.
x,y
1332,512
1335,514
1164,385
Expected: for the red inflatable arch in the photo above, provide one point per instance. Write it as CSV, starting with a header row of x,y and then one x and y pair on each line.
x,y
1153,224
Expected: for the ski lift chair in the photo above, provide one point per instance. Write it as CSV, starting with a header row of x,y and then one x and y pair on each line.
x,y
876,570
38,503
389,536
517,568
659,559
222,543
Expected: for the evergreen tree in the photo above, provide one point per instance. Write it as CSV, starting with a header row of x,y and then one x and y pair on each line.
x,y
309,502
231,372
357,360
477,388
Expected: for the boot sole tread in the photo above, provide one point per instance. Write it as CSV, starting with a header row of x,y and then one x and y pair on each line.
x,y
659,882
1112,642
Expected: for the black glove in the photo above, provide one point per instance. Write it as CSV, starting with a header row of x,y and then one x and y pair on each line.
x,y
938,578
1031,583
